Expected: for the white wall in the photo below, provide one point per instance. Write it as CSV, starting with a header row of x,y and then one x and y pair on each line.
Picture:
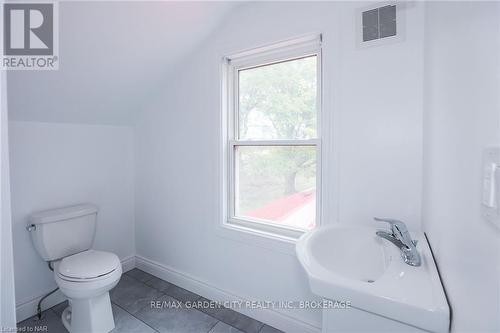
x,y
462,117
372,147
54,165
111,54
7,296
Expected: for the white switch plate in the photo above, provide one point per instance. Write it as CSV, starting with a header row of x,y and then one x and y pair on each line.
x,y
490,202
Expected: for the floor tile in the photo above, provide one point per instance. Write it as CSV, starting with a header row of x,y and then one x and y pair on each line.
x,y
133,295
238,320
171,289
176,320
232,317
126,323
224,328
269,329
59,308
209,307
181,294
158,284
139,275
50,322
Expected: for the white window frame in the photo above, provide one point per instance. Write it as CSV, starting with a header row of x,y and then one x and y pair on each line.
x,y
279,52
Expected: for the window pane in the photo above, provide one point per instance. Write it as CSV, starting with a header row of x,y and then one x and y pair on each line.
x,y
278,101
277,184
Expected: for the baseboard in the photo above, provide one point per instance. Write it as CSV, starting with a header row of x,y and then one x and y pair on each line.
x,y
27,308
128,263
271,317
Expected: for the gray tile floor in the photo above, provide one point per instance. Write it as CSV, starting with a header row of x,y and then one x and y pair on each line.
x,y
131,303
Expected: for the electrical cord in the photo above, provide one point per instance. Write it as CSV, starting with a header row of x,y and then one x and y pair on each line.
x,y
39,306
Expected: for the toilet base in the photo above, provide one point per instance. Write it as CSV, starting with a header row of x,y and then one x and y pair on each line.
x,y
92,315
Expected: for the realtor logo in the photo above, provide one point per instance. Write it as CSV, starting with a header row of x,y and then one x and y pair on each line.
x,y
29,29
29,36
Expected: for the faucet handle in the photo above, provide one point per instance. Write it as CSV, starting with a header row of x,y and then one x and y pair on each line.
x,y
397,226
390,221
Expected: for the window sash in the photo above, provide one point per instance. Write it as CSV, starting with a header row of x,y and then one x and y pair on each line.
x,y
235,64
234,109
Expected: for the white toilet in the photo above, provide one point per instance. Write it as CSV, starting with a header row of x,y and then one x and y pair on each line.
x,y
64,237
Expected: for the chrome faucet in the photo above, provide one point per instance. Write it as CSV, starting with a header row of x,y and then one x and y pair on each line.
x,y
400,237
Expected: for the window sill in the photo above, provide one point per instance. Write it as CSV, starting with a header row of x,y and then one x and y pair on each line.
x,y
259,238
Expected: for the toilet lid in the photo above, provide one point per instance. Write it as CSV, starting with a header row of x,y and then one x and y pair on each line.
x,y
88,264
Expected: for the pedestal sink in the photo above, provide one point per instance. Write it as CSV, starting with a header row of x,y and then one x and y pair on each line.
x,y
352,264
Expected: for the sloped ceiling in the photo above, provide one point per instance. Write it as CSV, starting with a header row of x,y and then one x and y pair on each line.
x,y
112,55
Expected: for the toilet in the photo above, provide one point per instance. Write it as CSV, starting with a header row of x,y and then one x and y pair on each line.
x,y
64,238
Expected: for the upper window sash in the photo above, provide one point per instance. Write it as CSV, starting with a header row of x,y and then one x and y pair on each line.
x,y
290,50
234,93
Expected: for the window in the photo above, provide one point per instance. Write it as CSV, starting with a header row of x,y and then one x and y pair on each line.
x,y
273,147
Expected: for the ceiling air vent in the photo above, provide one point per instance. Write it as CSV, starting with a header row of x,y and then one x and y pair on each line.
x,y
379,23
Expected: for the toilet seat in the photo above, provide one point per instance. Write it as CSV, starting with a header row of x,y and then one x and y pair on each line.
x,y
88,266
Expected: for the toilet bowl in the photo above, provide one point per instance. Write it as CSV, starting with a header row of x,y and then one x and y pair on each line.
x,y
86,278
64,237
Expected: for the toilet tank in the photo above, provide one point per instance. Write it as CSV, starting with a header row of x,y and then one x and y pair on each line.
x,y
58,233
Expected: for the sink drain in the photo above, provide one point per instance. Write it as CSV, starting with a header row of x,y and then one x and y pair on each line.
x,y
370,281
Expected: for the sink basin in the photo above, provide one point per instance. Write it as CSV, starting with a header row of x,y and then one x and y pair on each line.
x,y
352,264
365,247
